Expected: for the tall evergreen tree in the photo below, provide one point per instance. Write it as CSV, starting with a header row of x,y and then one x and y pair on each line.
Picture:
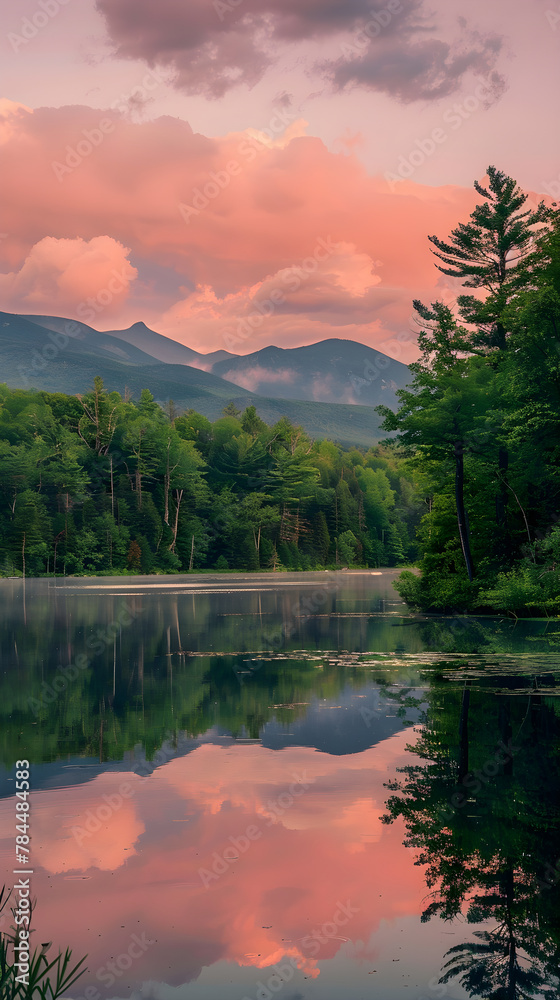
x,y
495,251
499,251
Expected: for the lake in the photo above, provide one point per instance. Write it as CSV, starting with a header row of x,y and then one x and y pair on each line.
x,y
247,786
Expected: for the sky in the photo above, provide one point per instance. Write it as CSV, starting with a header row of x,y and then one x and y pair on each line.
x,y
239,173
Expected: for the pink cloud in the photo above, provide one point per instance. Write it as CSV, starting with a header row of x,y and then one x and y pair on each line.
x,y
230,218
71,276
95,827
156,886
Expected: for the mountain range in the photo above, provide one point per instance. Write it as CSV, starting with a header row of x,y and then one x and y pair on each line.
x,y
330,388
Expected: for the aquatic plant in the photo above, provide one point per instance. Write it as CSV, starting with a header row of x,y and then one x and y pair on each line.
x,y
46,978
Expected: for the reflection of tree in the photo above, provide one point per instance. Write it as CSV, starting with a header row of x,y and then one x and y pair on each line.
x,y
176,668
150,681
483,810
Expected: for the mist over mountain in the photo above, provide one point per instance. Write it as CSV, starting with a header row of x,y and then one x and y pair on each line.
x,y
330,388
332,371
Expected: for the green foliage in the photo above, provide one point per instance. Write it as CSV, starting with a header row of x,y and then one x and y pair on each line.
x,y
480,424
47,979
347,545
480,808
98,484
532,587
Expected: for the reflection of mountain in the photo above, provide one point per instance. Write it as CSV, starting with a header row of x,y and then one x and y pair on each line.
x,y
483,811
137,688
356,720
359,719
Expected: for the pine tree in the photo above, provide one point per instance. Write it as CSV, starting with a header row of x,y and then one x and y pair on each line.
x,y
499,250
494,251
393,546
321,537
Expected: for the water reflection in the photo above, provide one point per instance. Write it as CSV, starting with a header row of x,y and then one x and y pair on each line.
x,y
482,810
212,779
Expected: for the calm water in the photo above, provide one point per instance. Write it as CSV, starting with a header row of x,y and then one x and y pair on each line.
x,y
257,786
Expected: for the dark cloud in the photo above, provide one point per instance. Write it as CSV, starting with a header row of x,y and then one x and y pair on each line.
x,y
403,57
215,45
428,69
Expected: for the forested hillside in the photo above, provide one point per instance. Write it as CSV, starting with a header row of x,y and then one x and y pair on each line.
x,y
481,421
101,484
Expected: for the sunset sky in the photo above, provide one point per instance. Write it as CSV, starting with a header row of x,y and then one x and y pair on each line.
x,y
230,171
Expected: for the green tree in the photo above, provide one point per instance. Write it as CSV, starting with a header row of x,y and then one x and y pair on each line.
x,y
258,514
491,252
251,422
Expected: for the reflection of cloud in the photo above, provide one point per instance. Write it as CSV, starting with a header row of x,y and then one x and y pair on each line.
x,y
328,846
90,834
251,378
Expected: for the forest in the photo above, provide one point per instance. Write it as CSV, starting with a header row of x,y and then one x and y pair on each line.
x,y
99,484
480,423
467,484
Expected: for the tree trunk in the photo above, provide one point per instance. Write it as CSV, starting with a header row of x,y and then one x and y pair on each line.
x,y
166,486
502,496
464,734
506,731
178,498
192,555
460,505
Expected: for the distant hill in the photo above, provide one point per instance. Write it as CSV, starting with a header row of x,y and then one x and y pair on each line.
x,y
33,356
332,371
139,335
